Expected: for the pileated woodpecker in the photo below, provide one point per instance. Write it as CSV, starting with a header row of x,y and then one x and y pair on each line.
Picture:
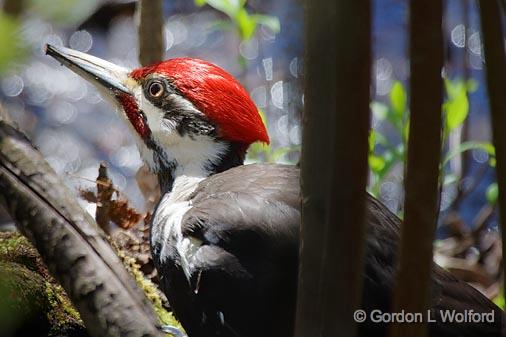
x,y
224,236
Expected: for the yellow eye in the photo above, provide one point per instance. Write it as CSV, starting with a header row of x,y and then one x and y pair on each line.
x,y
156,89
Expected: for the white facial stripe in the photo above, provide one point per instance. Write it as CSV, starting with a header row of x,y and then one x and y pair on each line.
x,y
192,154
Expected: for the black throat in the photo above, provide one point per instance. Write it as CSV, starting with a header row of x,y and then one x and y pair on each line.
x,y
165,170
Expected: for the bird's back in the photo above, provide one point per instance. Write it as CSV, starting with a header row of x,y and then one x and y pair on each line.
x,y
243,274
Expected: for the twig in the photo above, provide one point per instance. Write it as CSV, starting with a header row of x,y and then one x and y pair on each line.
x,y
105,192
151,46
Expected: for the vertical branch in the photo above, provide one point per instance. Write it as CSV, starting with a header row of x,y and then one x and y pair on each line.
x,y
150,31
13,7
334,166
105,192
422,176
495,59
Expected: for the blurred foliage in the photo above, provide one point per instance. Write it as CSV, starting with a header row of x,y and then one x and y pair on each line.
x,y
62,12
245,23
386,153
264,152
500,302
13,50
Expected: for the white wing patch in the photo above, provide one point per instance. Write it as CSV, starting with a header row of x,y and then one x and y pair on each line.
x,y
187,248
167,225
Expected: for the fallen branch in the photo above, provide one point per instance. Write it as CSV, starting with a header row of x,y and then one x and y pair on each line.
x,y
70,243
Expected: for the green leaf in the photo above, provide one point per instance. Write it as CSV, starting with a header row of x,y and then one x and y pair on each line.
x,y
405,132
500,302
276,155
457,109
229,7
12,48
263,116
452,88
200,3
398,98
372,140
472,85
268,21
492,193
247,25
379,110
450,179
376,163
467,146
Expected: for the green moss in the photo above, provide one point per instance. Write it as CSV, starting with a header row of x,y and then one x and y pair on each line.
x,y
32,303
150,289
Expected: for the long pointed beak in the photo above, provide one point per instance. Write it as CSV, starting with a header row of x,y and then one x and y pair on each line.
x,y
100,72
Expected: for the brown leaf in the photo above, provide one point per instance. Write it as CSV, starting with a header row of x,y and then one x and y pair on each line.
x,y
123,215
88,195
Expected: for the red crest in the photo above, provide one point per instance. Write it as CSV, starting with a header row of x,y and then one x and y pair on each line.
x,y
216,93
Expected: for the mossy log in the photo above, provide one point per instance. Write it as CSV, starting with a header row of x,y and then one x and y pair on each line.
x,y
32,303
70,243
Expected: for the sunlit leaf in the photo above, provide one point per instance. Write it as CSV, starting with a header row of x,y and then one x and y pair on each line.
x,y
12,49
263,116
268,21
277,154
379,110
492,193
376,163
467,146
398,98
500,302
229,7
405,131
450,179
246,24
472,85
372,140
200,3
452,88
457,109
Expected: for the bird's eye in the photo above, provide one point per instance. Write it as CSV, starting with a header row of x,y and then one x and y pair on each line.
x,y
156,89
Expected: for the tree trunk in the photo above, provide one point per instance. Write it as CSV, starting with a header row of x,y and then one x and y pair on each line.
x,y
422,174
495,60
151,42
333,166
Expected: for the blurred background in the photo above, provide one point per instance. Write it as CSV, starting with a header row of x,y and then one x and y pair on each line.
x,y
261,43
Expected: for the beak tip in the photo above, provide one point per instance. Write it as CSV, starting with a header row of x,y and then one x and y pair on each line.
x,y
49,49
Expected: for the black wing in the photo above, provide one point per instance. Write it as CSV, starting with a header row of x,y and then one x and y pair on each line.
x,y
244,276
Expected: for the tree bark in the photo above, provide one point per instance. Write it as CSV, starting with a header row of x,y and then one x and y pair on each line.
x,y
495,59
69,242
333,166
422,175
150,31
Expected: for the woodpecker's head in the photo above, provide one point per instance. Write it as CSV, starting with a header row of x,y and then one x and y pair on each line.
x,y
186,114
